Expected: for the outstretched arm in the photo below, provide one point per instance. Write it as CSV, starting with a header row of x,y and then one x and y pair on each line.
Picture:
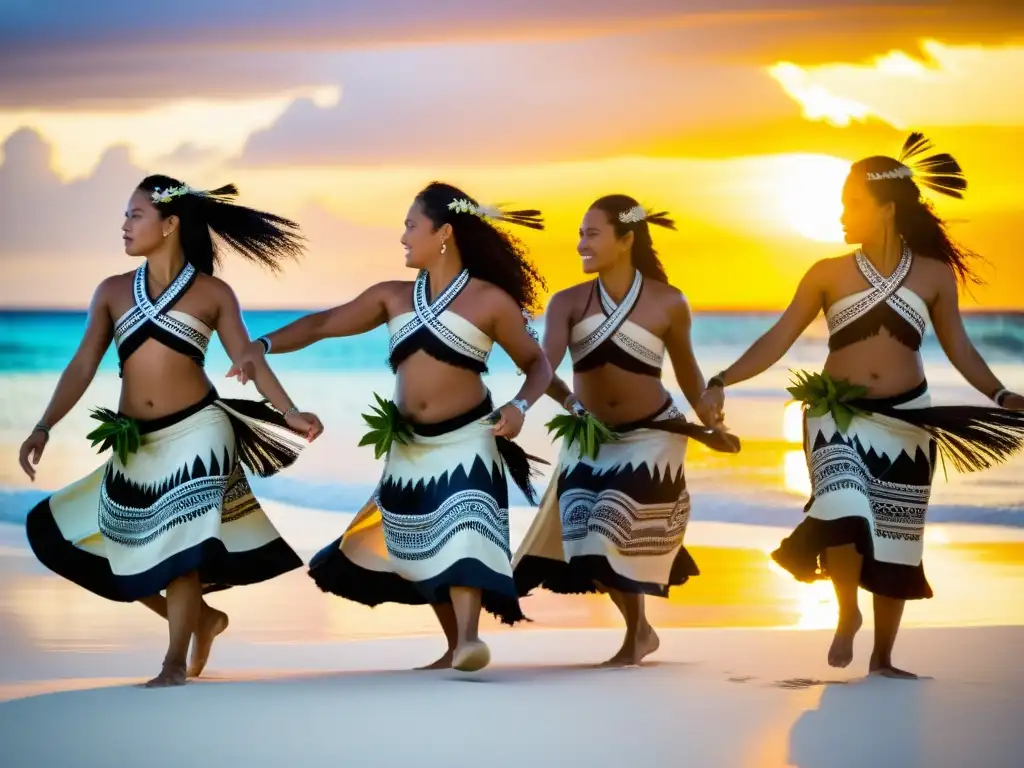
x,y
511,333
766,351
777,340
679,344
79,373
362,314
950,331
556,342
235,338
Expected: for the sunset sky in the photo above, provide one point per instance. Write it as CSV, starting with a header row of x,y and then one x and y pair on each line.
x,y
740,118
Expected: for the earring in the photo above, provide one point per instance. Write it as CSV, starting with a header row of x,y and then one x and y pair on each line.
x,y
444,247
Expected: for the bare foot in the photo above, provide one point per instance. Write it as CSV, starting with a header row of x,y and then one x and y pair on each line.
x,y
471,656
633,652
211,623
171,675
888,670
445,662
841,652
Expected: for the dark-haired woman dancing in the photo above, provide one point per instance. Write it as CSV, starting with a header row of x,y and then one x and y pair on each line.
x,y
615,514
172,509
436,530
870,434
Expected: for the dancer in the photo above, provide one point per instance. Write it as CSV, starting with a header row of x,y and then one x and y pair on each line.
x,y
171,509
870,435
436,530
615,514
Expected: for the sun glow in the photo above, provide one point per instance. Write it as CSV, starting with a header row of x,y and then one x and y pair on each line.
x,y
810,196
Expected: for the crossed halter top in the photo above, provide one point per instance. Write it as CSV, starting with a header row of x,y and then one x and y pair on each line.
x,y
611,338
886,304
149,319
436,330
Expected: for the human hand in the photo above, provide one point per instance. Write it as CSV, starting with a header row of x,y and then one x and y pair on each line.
x,y
304,423
1013,402
244,368
32,451
510,421
711,407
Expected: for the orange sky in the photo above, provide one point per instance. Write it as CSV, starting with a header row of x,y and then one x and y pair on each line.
x,y
741,124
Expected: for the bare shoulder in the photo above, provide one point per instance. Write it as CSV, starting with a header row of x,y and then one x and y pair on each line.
x,y
492,295
391,288
215,288
568,299
665,293
114,288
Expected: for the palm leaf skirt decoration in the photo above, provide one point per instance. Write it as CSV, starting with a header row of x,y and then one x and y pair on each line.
x,y
387,425
822,394
584,430
121,433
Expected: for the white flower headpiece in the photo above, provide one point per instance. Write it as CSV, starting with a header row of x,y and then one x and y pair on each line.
x,y
900,172
168,194
634,215
462,205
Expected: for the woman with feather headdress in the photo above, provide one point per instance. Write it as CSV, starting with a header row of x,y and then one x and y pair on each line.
x,y
171,510
871,436
436,530
614,517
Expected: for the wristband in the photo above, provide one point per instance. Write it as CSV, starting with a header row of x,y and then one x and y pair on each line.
x,y
266,344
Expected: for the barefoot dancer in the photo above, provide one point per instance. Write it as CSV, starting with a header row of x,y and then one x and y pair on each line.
x,y
436,530
172,509
615,522
872,457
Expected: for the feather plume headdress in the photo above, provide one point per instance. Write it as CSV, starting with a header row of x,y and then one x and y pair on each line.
x,y
939,172
525,218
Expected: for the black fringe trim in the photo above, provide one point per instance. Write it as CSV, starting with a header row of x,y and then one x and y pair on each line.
x,y
520,466
264,452
971,437
803,554
581,575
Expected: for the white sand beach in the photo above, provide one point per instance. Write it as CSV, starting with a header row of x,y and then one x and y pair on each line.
x,y
730,698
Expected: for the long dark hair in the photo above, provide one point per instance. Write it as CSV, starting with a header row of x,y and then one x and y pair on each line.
x,y
487,252
644,257
260,237
893,181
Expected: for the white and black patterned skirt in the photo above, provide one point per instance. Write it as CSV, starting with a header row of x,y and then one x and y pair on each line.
x,y
617,521
181,503
869,487
439,519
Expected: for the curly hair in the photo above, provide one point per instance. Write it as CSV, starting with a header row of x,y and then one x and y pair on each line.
x,y
488,253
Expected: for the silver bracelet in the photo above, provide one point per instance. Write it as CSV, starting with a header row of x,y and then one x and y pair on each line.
x,y
522,405
293,409
999,396
40,427
263,340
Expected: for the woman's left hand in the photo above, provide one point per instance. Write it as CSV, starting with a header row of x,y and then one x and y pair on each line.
x,y
510,422
1013,402
304,423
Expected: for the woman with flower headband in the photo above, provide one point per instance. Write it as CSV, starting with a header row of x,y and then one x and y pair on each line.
x,y
172,509
614,516
436,530
870,434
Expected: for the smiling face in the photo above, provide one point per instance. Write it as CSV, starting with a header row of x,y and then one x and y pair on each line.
x,y
144,229
864,218
599,247
421,240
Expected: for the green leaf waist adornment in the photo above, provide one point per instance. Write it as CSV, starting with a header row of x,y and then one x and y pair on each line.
x,y
387,426
822,394
583,430
121,433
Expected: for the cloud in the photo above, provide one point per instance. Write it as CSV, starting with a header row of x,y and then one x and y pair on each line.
x,y
512,102
939,85
94,55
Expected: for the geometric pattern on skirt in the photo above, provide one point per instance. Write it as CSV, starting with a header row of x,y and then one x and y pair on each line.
x,y
618,520
438,519
180,503
869,487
